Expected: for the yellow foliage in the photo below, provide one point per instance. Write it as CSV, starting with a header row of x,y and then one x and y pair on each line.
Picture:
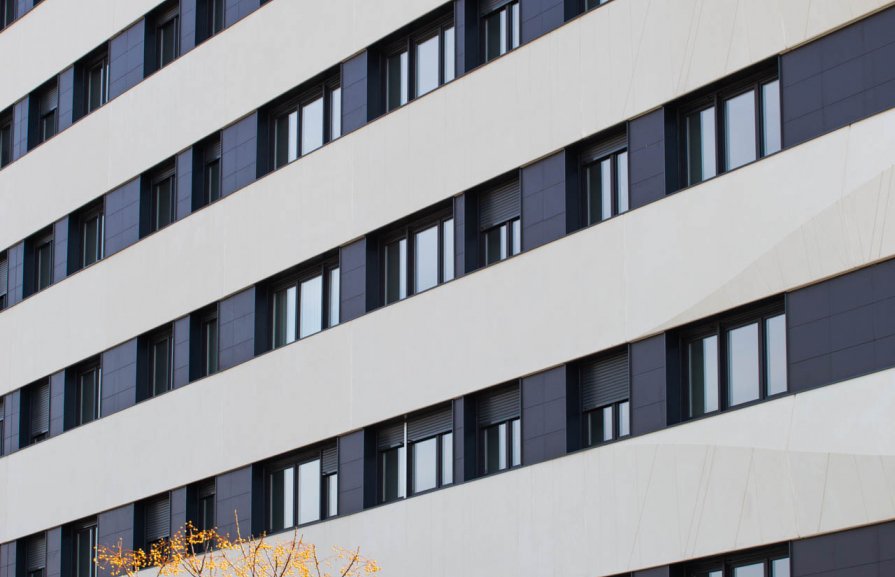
x,y
207,553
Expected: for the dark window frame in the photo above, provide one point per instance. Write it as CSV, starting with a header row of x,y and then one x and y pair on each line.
x,y
209,365
294,461
439,464
82,218
511,236
612,155
726,563
45,122
306,94
83,74
323,268
168,17
83,369
144,507
155,338
28,415
75,530
7,13
6,137
481,442
211,19
507,7
438,26
36,244
166,173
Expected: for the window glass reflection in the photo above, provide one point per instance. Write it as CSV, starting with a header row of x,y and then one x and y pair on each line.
x,y
312,126
770,117
427,65
447,249
753,570
449,55
447,458
703,376
282,494
425,261
780,567
334,296
396,271
309,492
424,465
700,135
742,364
775,341
739,130
311,319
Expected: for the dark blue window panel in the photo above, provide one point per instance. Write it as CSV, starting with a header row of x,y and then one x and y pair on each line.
x,y
544,201
126,55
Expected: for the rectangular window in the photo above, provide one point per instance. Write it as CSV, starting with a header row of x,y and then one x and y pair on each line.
x,y
311,306
284,316
95,74
7,13
502,31
770,117
393,465
502,446
282,495
700,145
211,171
156,522
88,393
309,491
417,257
420,62
286,138
397,79
735,361
770,562
5,137
427,57
2,427
305,120
334,296
305,303
91,234
162,197
605,390
302,488
335,105
213,18
4,280
606,182
395,271
739,130
500,208
84,544
38,412
209,328
502,241
167,38
39,261
161,353
47,113
500,429
203,495
591,4
36,556
312,125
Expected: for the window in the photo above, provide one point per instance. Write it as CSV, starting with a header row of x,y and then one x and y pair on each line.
x,y
501,30
605,390
2,427
36,556
499,221
209,19
305,303
46,103
156,522
418,256
201,510
92,81
88,392
735,360
39,263
303,122
500,429
7,13
302,488
5,137
773,562
162,196
419,63
158,354
591,4
166,33
209,336
605,179
4,280
88,236
36,412
83,544
416,454
210,171
730,128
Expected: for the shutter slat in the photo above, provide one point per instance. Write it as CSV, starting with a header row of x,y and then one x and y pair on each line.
x,y
36,553
605,381
49,100
213,150
431,424
205,490
4,276
158,520
40,409
489,6
498,406
603,147
329,460
500,204
390,436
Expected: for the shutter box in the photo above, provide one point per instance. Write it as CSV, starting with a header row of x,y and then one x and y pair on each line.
x,y
40,409
499,405
500,204
489,6
329,460
36,553
602,148
390,436
605,381
157,519
430,424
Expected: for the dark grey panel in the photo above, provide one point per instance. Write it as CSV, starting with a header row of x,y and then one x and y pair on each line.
x,y
16,262
857,552
239,154
233,499
54,552
351,472
236,10
181,352
646,158
66,97
22,7
11,428
126,59
122,217
20,128
498,404
460,7
8,559
540,17
353,282
544,201
841,328
237,329
187,25
184,172
112,526
178,509
664,571
460,236
57,400
119,378
648,385
60,249
544,418
354,93
838,79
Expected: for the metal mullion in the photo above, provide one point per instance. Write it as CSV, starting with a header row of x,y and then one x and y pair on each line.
x,y
723,401
409,288
759,121
720,149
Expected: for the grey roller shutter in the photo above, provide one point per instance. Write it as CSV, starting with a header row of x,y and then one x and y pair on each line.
x,y
605,381
36,553
488,6
500,204
603,147
206,489
49,100
213,150
390,436
329,460
430,424
498,406
157,517
40,409
4,276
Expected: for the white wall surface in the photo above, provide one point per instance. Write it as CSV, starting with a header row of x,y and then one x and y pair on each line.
x,y
807,464
608,66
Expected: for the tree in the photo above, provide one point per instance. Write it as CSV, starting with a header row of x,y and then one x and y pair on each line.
x,y
207,553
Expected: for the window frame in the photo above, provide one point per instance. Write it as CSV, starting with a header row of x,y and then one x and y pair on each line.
x,y
727,563
324,269
323,88
294,461
91,527
508,449
206,319
407,232
158,177
157,337
6,137
716,98
94,365
100,57
408,43
212,159
616,423
511,240
7,16
162,20
507,7
44,239
45,118
439,463
612,154
720,327
85,216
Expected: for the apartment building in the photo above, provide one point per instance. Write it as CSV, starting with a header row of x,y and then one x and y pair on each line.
x,y
486,287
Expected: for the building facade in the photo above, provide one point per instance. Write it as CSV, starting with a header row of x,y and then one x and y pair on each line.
x,y
486,287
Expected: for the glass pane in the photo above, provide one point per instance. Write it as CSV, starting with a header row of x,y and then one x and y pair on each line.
x,y
211,347
449,55
286,139
600,426
775,341
212,181
164,203
87,397
514,12
447,458
495,35
703,373
397,70
495,244
393,474
753,570
90,241
739,130
396,271
312,126
700,132
447,249
770,117
160,366
621,172
425,259
495,448
517,442
334,296
427,65
624,419
605,189
425,464
95,87
44,265
284,316
85,541
780,567
206,513
517,236
309,492
742,364
167,39
332,495
292,137
282,492
311,306
335,102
